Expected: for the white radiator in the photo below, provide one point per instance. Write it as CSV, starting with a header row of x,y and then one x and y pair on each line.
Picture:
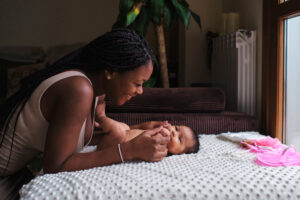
x,y
234,69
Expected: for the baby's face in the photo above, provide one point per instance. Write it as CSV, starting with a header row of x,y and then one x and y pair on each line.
x,y
181,139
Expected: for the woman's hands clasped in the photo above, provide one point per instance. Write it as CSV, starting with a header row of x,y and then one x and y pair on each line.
x,y
150,146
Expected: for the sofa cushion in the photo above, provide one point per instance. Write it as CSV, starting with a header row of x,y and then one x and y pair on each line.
x,y
173,100
16,62
16,74
22,54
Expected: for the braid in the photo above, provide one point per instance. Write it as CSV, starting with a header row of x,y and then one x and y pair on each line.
x,y
122,50
118,50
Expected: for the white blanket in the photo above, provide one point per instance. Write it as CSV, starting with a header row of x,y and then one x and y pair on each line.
x,y
221,170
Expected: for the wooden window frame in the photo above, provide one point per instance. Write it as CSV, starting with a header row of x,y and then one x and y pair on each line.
x,y
274,14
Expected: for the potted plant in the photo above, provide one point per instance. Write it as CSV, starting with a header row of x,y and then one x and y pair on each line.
x,y
137,14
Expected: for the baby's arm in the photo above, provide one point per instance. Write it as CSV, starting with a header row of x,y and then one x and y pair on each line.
x,y
109,125
114,132
105,123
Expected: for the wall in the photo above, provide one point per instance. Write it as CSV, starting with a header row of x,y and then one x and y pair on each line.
x,y
48,23
193,66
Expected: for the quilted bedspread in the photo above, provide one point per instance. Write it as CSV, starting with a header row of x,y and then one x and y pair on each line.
x,y
220,170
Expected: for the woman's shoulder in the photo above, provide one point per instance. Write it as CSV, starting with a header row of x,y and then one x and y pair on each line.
x,y
74,85
72,93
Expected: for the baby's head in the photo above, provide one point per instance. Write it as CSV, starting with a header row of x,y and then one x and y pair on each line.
x,y
183,140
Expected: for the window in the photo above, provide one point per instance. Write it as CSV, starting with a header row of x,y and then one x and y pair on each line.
x,y
280,23
291,87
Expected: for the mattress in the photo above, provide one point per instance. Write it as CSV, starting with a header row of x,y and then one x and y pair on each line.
x,y
220,170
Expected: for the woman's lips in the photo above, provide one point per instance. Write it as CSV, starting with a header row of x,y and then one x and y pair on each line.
x,y
128,97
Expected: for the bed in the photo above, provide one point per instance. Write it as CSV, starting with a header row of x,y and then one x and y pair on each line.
x,y
220,170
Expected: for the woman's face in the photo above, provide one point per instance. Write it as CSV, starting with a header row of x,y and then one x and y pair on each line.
x,y
124,85
181,139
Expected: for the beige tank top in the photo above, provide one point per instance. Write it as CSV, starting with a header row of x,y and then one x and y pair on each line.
x,y
31,129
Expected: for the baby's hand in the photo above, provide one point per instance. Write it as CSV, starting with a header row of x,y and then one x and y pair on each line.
x,y
156,124
100,109
165,132
166,124
99,113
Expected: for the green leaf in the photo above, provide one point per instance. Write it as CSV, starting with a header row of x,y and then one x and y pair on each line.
x,y
197,19
125,6
130,17
168,16
157,8
172,14
184,3
143,21
183,12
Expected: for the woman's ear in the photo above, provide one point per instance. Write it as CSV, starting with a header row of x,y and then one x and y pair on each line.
x,y
108,74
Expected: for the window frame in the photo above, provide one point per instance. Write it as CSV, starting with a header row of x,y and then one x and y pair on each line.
x,y
274,14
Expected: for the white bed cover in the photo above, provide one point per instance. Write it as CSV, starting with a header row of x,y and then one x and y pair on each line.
x,y
220,170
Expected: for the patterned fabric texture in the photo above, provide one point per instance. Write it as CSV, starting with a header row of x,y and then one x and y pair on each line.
x,y
220,170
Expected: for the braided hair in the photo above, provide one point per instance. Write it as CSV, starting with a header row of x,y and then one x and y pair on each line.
x,y
119,50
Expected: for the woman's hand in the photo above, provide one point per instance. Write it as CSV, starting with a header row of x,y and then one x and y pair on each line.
x,y
150,146
150,125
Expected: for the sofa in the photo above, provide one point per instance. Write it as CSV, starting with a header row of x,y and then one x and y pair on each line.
x,y
17,62
201,108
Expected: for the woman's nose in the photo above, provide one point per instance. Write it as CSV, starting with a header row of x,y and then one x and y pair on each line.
x,y
140,90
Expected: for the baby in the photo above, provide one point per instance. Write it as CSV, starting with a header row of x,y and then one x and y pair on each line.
x,y
182,138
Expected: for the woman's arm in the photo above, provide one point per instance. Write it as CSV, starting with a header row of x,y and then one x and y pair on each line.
x,y
140,147
72,104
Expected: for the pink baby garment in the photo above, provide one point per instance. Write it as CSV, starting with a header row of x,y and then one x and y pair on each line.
x,y
271,152
263,145
287,157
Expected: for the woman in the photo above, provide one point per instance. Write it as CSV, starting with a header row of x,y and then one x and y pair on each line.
x,y
54,111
